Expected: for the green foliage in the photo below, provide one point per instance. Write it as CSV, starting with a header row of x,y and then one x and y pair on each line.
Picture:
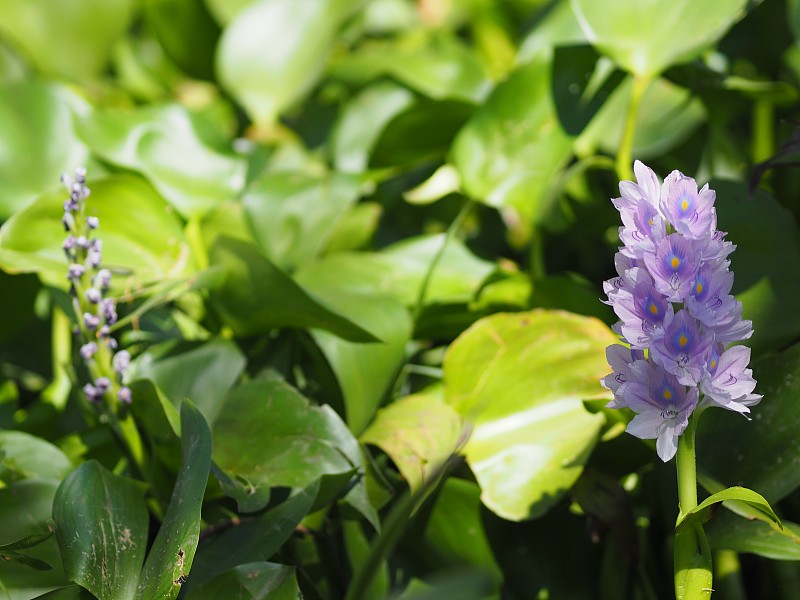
x,y
357,250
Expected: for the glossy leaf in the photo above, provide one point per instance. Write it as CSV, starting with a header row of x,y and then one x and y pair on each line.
x,y
147,241
258,297
167,144
703,511
516,128
520,380
292,215
204,374
647,36
101,526
273,51
23,456
730,532
32,115
251,581
419,432
54,37
170,558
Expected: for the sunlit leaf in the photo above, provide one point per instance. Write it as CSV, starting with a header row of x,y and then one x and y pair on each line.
x,y
520,380
166,144
250,581
32,116
703,511
647,36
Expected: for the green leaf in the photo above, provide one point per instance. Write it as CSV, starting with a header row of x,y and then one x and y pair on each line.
x,y
419,433
32,115
361,121
101,527
399,270
253,540
647,36
187,32
703,511
667,116
509,151
139,234
292,215
520,380
72,592
440,67
270,436
257,297
273,51
203,373
23,456
730,532
172,553
28,541
54,35
251,581
760,454
170,146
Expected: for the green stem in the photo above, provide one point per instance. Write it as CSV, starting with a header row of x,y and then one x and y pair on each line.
x,y
728,575
625,153
451,231
763,133
538,270
687,468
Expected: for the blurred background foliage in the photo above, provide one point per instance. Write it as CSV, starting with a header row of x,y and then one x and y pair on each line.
x,y
366,239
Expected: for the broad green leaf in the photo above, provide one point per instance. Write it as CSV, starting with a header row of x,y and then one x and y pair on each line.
x,y
667,116
54,33
253,540
292,215
558,27
257,297
400,269
139,234
355,229
168,145
467,585
730,532
187,32
251,581
365,372
509,151
26,509
647,36
273,51
224,10
520,380
203,373
766,263
269,435
32,116
419,433
170,558
101,526
23,456
361,122
760,454
439,67
72,592
703,511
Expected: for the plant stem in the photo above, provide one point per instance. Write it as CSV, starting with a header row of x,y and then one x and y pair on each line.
x,y
687,468
763,135
625,153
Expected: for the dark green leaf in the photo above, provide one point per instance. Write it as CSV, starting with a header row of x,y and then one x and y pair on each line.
x,y
250,581
170,558
23,456
258,297
101,527
703,512
730,532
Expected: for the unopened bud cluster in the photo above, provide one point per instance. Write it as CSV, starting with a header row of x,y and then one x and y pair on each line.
x,y
89,284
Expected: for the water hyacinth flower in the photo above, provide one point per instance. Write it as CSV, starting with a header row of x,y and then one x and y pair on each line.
x,y
678,319
88,284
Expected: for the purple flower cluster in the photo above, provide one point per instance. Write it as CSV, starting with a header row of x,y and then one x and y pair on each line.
x,y
677,315
88,285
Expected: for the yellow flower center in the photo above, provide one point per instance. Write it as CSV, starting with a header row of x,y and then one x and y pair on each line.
x,y
713,364
653,308
684,204
699,288
683,340
667,394
675,262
